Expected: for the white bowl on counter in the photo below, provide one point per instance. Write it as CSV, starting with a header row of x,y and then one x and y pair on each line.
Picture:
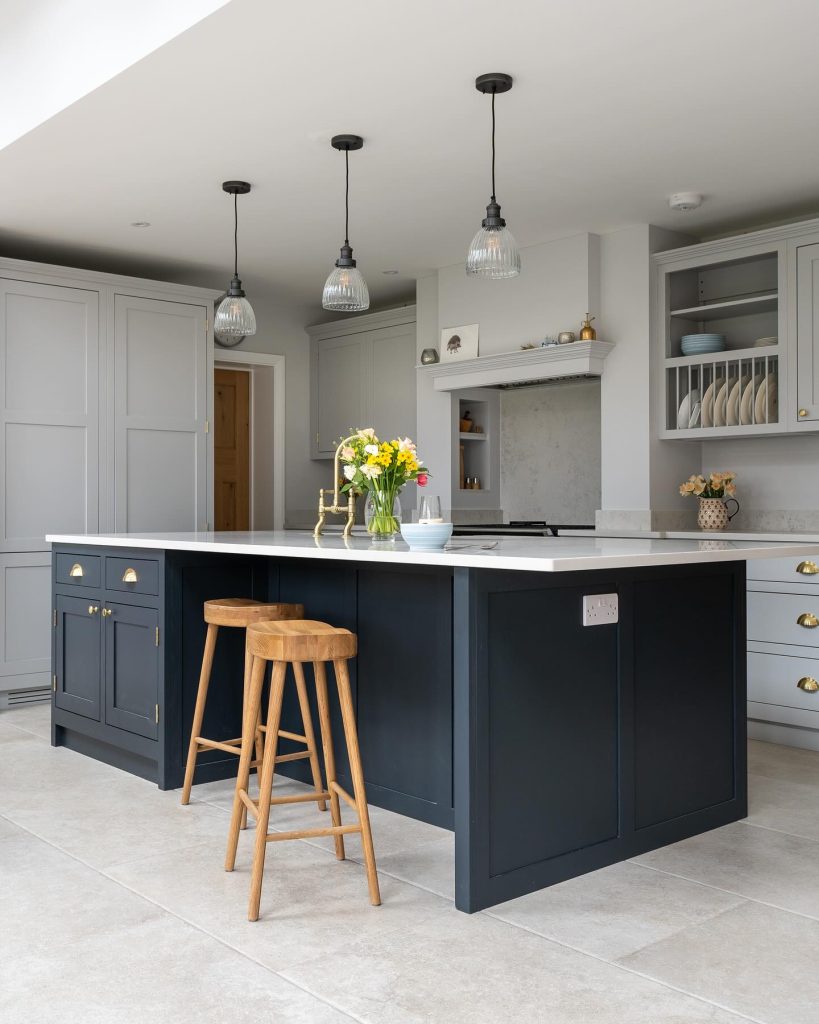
x,y
426,536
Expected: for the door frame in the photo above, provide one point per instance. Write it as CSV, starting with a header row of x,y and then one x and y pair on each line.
x,y
231,359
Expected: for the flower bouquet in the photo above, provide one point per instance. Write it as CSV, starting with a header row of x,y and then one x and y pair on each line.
x,y
380,469
713,494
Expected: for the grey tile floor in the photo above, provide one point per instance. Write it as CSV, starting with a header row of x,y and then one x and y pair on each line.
x,y
114,907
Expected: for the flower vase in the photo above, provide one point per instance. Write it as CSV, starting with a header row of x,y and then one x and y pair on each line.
x,y
713,513
382,515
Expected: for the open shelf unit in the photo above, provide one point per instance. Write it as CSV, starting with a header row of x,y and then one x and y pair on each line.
x,y
739,294
476,452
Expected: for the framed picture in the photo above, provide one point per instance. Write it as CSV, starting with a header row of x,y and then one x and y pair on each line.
x,y
459,343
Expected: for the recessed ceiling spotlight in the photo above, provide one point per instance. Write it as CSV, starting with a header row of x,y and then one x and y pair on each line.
x,y
685,201
389,273
140,223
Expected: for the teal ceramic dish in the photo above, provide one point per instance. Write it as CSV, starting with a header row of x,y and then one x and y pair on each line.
x,y
426,536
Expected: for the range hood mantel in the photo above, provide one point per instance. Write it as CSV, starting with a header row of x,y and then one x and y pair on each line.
x,y
526,367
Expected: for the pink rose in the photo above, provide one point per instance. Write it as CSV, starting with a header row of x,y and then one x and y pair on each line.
x,y
422,479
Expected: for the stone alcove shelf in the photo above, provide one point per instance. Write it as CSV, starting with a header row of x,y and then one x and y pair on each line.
x,y
526,366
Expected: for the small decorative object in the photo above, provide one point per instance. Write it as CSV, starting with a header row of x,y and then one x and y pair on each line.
x,y
549,342
566,337
380,469
529,345
587,332
429,356
713,512
466,423
430,533
459,343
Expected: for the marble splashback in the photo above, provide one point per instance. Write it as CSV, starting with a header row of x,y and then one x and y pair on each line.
x,y
550,452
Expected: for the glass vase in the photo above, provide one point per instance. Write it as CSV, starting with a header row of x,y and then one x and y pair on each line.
x,y
382,514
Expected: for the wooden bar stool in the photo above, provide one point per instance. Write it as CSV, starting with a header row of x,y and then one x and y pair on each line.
x,y
293,643
241,613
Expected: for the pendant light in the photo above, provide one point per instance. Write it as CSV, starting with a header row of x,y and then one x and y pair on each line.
x,y
494,251
345,290
234,319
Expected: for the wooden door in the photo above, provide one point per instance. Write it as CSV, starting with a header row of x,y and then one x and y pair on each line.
x,y
807,333
160,415
231,442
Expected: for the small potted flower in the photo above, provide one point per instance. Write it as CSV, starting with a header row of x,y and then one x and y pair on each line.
x,y
713,512
380,469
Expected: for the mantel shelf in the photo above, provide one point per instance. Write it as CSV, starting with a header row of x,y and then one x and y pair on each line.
x,y
526,366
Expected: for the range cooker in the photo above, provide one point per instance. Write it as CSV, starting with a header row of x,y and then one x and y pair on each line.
x,y
518,528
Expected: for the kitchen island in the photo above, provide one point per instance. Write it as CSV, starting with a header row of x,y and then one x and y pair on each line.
x,y
494,692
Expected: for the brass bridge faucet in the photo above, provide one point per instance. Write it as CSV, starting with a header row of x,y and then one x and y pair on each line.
x,y
336,508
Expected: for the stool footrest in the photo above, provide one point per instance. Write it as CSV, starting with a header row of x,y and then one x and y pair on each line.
x,y
292,757
344,795
229,746
309,833
300,798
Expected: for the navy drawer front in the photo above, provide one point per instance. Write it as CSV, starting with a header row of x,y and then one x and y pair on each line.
x,y
132,575
76,569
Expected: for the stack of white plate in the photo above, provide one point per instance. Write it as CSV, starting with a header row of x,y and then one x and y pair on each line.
x,y
701,344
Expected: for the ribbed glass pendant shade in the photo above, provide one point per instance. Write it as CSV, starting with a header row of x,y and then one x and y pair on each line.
x,y
493,253
346,291
235,317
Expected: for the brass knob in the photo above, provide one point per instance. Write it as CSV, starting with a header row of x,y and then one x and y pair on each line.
x,y
130,576
808,684
803,412
808,568
93,609
106,612
75,570
808,620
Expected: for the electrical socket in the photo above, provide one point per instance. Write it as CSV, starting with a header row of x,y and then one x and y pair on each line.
x,y
600,609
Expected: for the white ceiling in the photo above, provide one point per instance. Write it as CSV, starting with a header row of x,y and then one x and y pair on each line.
x,y
615,106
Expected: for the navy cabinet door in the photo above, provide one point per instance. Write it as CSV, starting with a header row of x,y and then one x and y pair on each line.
x,y
131,669
79,655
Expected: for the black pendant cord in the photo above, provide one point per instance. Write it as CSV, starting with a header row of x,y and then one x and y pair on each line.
x,y
346,197
493,147
235,234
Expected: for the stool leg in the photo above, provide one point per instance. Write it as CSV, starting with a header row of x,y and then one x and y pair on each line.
x,y
199,710
307,722
274,715
329,756
351,736
245,757
245,698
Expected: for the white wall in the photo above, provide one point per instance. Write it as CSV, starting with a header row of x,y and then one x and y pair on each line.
x,y
550,452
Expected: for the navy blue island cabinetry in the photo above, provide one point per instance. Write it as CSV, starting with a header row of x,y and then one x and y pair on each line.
x,y
484,703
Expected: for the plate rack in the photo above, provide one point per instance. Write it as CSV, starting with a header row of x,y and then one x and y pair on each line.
x,y
736,392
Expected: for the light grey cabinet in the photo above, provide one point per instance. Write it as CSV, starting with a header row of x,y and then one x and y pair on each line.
x,y
104,404
362,374
807,332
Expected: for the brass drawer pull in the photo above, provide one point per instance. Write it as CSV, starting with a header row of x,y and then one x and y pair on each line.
x,y
130,576
808,684
808,568
106,612
808,620
75,570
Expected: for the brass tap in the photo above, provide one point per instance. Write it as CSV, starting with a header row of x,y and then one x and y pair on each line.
x,y
336,508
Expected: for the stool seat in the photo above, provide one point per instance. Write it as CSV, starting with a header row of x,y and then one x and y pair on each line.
x,y
300,640
244,611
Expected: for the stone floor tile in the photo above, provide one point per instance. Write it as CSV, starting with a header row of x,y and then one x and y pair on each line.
x,y
615,911
754,959
785,805
777,762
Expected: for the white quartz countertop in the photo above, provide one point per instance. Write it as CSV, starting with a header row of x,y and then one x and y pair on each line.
x,y
531,554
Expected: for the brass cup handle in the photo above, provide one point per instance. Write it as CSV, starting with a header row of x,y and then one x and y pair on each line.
x,y
808,620
75,570
106,612
130,576
808,684
808,568
93,609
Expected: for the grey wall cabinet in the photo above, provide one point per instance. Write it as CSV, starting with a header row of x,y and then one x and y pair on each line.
x,y
362,374
104,413
807,331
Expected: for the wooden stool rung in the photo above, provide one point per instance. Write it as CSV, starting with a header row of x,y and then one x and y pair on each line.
x,y
301,798
293,757
229,746
343,794
251,805
292,736
309,833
